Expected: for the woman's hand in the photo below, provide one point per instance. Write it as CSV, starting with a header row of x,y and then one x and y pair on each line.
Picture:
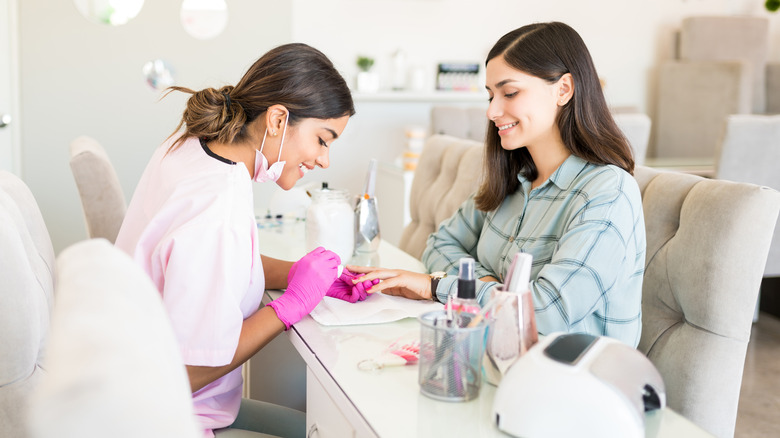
x,y
396,282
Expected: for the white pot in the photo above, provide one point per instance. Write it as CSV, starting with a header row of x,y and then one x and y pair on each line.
x,y
367,82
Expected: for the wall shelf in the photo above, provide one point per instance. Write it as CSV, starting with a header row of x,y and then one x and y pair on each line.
x,y
421,96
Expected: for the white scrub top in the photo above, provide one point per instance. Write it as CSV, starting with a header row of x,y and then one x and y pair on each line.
x,y
191,226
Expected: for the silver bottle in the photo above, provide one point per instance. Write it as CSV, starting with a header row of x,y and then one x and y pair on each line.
x,y
367,236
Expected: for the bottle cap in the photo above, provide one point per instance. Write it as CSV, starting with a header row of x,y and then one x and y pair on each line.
x,y
466,281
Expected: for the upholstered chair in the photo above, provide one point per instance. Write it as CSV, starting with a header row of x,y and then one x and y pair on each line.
x,y
114,368
463,122
694,97
636,127
26,296
102,199
447,174
750,152
707,245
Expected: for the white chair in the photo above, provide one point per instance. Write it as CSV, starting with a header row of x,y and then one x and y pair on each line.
x,y
750,152
636,128
26,296
102,199
114,368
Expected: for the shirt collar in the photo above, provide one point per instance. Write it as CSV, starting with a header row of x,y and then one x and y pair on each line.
x,y
564,175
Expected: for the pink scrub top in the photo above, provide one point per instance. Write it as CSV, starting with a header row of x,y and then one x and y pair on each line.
x,y
191,226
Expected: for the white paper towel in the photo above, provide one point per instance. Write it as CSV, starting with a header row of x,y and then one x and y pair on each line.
x,y
375,309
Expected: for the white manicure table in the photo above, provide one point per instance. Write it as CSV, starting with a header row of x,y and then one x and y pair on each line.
x,y
343,401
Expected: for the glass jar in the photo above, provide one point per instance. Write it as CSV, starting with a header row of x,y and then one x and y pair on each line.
x,y
330,222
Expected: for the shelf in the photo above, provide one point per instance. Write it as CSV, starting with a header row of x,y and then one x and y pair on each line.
x,y
422,96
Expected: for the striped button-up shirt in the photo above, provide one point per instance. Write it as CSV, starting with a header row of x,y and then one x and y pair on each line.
x,y
585,229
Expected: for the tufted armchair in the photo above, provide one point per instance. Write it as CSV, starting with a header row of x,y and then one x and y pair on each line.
x,y
707,244
26,295
447,174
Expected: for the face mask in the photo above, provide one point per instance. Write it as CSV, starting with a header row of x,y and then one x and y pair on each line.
x,y
262,172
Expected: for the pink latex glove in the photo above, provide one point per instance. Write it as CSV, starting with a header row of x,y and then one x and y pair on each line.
x,y
307,284
344,289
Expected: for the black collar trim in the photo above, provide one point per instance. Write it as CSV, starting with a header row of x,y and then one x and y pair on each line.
x,y
212,154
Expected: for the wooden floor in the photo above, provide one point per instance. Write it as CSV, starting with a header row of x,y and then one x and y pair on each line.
x,y
759,400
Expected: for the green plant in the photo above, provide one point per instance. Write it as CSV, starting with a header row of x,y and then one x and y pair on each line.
x,y
772,5
365,63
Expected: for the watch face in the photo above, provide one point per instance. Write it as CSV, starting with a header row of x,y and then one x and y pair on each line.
x,y
438,275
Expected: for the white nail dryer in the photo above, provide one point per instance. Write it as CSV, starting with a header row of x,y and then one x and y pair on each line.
x,y
578,385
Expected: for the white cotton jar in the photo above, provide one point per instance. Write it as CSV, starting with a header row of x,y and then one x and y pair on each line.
x,y
330,222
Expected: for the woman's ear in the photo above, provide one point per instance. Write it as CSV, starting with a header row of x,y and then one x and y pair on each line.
x,y
565,89
276,117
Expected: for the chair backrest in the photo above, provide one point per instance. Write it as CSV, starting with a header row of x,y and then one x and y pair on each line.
x,y
636,128
447,174
729,38
101,194
694,97
750,152
707,243
26,297
462,122
114,367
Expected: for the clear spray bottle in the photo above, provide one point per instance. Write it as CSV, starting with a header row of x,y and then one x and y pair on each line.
x,y
466,299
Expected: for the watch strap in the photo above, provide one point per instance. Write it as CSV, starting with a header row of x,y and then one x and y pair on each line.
x,y
435,277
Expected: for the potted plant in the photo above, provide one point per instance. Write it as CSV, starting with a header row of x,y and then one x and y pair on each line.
x,y
367,80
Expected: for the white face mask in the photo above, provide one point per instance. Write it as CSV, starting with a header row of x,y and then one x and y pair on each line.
x,y
262,172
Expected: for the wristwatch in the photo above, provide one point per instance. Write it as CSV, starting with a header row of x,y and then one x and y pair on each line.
x,y
435,277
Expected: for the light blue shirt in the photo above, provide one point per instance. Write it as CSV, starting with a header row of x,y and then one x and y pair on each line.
x,y
585,229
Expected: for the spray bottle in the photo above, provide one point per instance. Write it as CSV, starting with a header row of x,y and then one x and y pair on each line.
x,y
466,299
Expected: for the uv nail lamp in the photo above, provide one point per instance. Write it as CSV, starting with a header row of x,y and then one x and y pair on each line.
x,y
578,385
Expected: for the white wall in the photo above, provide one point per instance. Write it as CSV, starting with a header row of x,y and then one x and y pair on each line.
x,y
626,38
82,78
78,77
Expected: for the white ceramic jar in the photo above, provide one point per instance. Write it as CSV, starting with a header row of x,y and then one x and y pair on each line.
x,y
330,222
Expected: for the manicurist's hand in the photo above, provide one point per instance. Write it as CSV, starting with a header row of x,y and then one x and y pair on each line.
x,y
397,282
310,279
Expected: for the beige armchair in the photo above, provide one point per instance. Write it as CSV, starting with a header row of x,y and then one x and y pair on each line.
x,y
102,199
447,174
721,69
26,296
114,367
707,244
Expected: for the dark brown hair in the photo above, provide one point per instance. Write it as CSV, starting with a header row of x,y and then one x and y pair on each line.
x,y
297,76
548,51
